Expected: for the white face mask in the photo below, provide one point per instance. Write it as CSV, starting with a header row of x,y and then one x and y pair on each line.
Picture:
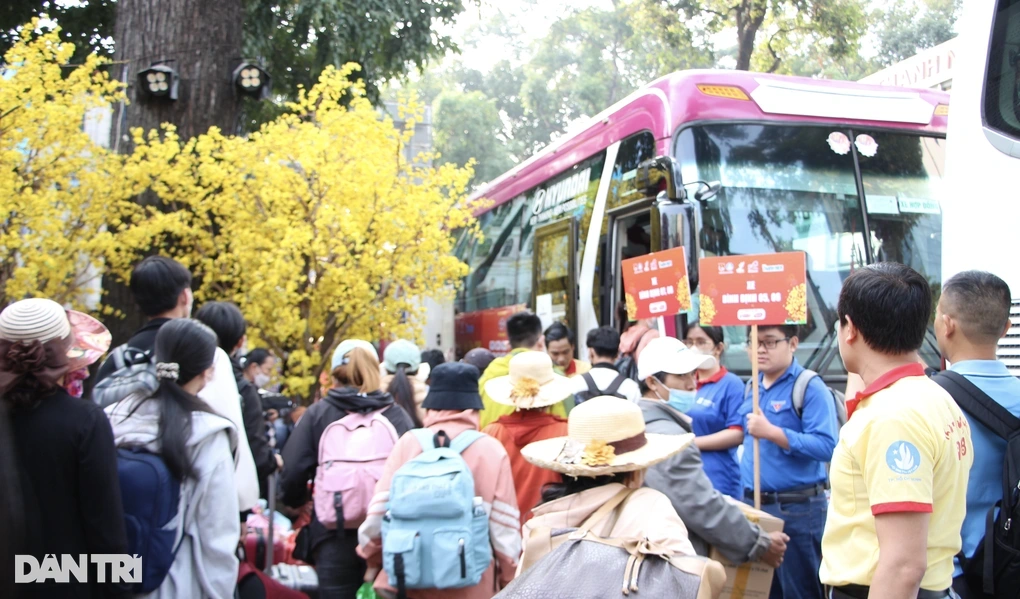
x,y
261,380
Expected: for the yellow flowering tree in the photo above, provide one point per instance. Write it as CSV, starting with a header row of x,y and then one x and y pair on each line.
x,y
59,192
315,225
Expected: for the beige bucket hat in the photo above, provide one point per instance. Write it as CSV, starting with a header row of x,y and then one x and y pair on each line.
x,y
605,435
531,384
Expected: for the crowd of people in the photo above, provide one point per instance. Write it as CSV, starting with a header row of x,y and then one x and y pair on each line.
x,y
414,476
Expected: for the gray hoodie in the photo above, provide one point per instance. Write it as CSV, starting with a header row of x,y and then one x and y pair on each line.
x,y
205,565
710,518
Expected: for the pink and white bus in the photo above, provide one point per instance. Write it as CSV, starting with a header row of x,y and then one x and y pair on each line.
x,y
847,173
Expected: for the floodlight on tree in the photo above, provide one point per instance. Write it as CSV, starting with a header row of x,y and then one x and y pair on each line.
x,y
250,79
158,81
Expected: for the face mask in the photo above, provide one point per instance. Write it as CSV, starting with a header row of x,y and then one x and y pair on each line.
x,y
682,400
261,380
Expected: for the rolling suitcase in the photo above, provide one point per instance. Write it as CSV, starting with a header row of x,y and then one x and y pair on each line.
x,y
298,578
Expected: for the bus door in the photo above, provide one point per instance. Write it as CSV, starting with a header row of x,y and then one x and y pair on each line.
x,y
631,234
676,228
641,229
554,273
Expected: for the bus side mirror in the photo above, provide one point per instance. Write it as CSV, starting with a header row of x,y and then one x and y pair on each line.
x,y
656,175
662,174
706,191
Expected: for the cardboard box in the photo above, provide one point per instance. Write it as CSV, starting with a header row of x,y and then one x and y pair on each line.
x,y
751,580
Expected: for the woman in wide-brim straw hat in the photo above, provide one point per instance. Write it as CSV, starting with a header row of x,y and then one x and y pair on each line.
x,y
602,460
62,447
531,387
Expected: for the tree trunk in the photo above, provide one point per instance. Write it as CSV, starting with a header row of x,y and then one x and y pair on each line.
x,y
750,16
201,40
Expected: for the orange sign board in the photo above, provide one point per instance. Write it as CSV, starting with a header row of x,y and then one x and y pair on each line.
x,y
753,289
656,284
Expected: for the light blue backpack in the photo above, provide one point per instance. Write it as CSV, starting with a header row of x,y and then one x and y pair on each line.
x,y
435,533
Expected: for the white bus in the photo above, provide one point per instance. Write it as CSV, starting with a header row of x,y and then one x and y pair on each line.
x,y
981,207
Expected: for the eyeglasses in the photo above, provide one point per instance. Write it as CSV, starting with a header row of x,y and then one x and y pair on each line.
x,y
699,342
771,343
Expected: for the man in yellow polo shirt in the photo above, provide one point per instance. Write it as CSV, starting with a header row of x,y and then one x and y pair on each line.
x,y
524,331
899,472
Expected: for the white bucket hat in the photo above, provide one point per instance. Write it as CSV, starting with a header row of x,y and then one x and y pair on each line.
x,y
605,435
34,319
531,384
666,354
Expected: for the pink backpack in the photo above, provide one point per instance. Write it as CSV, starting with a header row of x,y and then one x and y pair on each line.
x,y
352,453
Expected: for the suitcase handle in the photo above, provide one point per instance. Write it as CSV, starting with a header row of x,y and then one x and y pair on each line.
x,y
271,490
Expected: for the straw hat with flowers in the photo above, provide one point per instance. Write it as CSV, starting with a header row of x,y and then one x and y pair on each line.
x,y
605,435
531,384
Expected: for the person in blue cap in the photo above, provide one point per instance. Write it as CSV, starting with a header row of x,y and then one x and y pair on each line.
x,y
401,361
356,389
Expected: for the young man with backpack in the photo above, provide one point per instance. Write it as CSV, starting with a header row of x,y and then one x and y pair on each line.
x,y
342,442
444,522
604,378
531,387
972,315
162,288
226,320
899,472
795,446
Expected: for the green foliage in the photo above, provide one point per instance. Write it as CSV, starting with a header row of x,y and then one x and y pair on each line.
x,y
299,38
906,28
296,39
770,31
468,127
588,61
87,25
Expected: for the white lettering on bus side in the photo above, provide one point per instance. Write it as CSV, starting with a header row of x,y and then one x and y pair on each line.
x,y
560,198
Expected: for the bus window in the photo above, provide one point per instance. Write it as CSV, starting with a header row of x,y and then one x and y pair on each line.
x,y
1002,80
902,176
784,188
493,261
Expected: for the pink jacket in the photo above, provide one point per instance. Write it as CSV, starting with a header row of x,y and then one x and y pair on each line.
x,y
490,466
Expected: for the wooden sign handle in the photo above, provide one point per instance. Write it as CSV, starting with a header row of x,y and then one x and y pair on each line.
x,y
757,411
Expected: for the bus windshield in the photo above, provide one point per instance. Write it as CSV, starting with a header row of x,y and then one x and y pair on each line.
x,y
798,188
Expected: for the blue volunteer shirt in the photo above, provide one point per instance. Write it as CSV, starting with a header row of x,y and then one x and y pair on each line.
x,y
985,486
717,408
812,436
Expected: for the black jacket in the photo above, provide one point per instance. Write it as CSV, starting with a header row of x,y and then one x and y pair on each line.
x,y
301,453
70,493
144,339
254,425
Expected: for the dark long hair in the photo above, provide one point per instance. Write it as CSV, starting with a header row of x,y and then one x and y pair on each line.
x,y
571,485
402,391
11,514
190,345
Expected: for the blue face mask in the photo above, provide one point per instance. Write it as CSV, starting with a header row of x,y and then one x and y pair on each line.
x,y
682,400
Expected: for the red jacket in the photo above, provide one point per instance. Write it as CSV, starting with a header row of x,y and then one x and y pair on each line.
x,y
515,431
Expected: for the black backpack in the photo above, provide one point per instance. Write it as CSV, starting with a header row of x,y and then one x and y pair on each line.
x,y
626,365
593,390
995,567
